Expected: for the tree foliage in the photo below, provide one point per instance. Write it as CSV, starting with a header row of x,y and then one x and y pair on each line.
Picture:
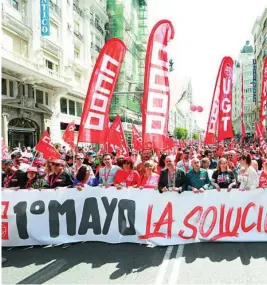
x,y
195,136
180,133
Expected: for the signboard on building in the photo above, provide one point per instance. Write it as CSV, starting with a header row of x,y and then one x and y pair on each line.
x,y
254,80
45,19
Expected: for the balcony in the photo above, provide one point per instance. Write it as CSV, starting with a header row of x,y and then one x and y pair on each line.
x,y
55,8
78,35
77,9
95,47
50,46
97,26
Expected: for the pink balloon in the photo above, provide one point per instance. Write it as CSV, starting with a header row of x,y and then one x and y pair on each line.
x,y
193,108
199,109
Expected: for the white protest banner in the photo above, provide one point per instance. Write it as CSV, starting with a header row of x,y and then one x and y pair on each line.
x,y
33,217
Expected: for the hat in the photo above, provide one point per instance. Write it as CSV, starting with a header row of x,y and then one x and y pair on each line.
x,y
24,160
91,153
32,169
16,155
7,161
59,161
37,162
186,150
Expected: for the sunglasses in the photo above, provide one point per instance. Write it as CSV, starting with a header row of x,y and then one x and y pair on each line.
x,y
57,164
79,158
126,162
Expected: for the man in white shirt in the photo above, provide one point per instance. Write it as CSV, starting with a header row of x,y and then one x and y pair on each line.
x,y
107,173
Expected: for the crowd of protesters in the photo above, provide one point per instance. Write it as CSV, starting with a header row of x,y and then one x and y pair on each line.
x,y
190,169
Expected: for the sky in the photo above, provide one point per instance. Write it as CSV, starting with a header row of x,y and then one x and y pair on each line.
x,y
205,32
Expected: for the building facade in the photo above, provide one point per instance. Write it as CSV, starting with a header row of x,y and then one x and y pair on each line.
x,y
128,22
259,32
245,63
45,79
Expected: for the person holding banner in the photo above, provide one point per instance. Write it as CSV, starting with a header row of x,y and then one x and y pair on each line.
x,y
223,177
197,178
127,177
150,178
171,179
59,178
247,175
33,179
263,175
107,173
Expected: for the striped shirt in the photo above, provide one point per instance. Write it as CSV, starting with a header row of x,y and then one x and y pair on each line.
x,y
198,179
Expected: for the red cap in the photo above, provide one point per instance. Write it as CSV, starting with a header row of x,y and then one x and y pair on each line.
x,y
59,161
32,169
127,159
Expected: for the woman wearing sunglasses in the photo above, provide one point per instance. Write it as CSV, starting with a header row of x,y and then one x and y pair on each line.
x,y
127,177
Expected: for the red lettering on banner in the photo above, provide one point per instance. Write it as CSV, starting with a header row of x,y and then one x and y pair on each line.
x,y
5,231
5,205
259,219
203,220
244,218
198,210
265,224
162,221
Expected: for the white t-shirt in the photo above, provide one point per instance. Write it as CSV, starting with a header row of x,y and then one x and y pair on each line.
x,y
249,178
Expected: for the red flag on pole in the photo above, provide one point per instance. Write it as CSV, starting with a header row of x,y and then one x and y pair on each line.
x,y
243,127
46,147
116,137
225,129
261,138
156,87
210,137
136,139
263,98
68,135
95,115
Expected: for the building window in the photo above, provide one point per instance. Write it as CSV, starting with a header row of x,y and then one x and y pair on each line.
x,y
79,109
71,107
76,53
63,106
15,4
46,99
30,91
49,64
11,88
76,27
39,96
77,77
4,86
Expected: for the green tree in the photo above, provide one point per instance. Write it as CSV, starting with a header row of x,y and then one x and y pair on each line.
x,y
180,133
195,136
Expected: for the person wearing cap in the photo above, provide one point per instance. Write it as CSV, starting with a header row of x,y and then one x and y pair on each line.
x,y
13,178
185,162
108,172
33,179
59,178
90,160
171,178
127,177
263,175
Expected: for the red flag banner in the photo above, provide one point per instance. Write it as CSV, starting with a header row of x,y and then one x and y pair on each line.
x,y
156,87
263,98
225,130
210,137
5,154
46,147
261,138
116,137
95,115
136,139
243,127
68,135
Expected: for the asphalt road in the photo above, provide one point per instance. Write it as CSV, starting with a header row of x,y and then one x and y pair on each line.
x,y
101,263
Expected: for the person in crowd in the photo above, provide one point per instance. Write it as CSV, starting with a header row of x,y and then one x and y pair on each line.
x,y
145,156
27,152
223,177
254,164
91,160
213,163
178,157
171,178
127,177
119,160
254,156
59,178
79,159
149,179
13,177
33,179
205,164
17,161
84,177
108,172
185,162
69,160
247,175
133,156
161,164
216,156
197,178
263,175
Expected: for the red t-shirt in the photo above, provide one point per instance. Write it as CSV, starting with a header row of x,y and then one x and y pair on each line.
x,y
263,180
150,182
131,178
